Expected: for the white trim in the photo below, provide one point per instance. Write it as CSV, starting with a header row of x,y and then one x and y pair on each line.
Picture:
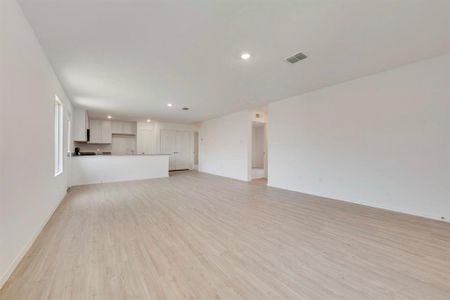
x,y
59,136
383,207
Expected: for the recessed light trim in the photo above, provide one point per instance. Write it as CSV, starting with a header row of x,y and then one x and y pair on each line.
x,y
245,56
109,117
148,120
169,104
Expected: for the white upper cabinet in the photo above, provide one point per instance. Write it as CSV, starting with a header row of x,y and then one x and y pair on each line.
x,y
106,132
128,128
116,127
95,129
100,132
80,125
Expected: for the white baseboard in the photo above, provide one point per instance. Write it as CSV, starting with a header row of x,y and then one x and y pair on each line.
x,y
400,211
4,278
223,176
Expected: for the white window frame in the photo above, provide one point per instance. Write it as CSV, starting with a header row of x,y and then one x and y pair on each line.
x,y
69,136
59,158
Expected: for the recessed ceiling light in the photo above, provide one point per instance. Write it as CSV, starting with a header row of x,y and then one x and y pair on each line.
x,y
169,104
148,120
109,117
245,56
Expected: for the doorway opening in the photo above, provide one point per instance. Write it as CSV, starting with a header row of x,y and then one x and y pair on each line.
x,y
259,151
196,150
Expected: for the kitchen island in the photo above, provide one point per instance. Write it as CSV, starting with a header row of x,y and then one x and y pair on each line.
x,y
113,168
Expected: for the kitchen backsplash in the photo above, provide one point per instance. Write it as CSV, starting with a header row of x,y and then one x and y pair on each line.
x,y
84,147
121,144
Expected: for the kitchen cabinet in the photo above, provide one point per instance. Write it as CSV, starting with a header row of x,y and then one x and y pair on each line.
x,y
100,132
80,125
116,127
106,132
129,127
120,127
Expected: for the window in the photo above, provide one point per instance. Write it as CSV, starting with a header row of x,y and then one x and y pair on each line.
x,y
58,136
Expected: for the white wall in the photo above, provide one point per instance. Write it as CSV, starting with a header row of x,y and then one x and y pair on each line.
x,y
225,146
381,140
29,191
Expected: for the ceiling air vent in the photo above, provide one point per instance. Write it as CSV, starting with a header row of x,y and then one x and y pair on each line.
x,y
296,58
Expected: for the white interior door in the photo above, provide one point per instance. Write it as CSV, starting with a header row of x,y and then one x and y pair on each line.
x,y
168,147
179,145
145,141
184,152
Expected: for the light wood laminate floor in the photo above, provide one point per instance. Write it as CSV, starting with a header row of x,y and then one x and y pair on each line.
x,y
197,236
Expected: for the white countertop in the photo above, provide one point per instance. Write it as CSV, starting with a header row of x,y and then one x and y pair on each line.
x,y
112,155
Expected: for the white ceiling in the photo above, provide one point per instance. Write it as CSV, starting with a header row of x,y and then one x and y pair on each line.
x,y
129,58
